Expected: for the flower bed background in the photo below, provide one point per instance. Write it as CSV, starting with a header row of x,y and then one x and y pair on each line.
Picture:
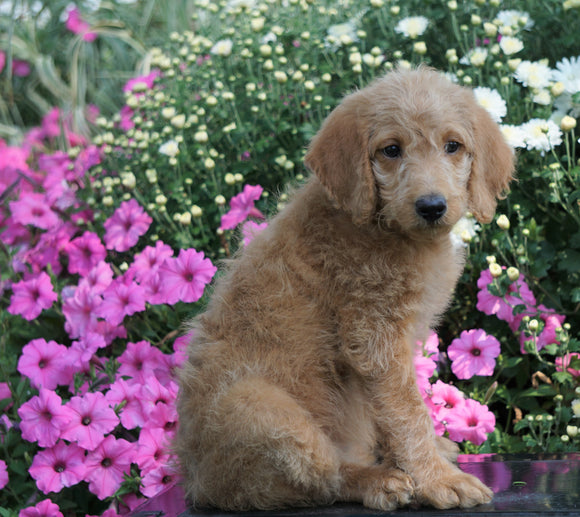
x,y
144,143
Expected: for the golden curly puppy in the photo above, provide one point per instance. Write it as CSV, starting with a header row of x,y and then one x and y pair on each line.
x,y
300,386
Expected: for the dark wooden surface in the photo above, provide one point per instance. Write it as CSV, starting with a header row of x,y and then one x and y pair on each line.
x,y
526,485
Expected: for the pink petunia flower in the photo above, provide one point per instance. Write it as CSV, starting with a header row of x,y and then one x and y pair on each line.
x,y
141,360
126,225
186,276
3,474
45,508
473,353
121,299
446,398
58,467
30,297
250,229
107,465
43,418
547,336
154,392
242,207
84,253
42,363
562,363
152,450
77,25
127,393
98,278
79,309
518,293
163,416
33,209
147,262
157,480
92,418
472,421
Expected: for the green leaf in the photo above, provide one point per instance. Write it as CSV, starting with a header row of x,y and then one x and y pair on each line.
x,y
562,377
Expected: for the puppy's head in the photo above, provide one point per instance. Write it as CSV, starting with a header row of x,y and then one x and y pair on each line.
x,y
414,152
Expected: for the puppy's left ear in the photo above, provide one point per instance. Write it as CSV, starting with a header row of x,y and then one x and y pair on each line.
x,y
339,157
492,167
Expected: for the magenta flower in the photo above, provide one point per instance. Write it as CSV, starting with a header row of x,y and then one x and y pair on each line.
x,y
157,480
33,209
563,363
107,465
91,419
84,253
445,398
250,229
3,474
470,421
518,294
163,416
141,81
242,207
186,276
45,508
127,393
43,418
98,278
153,393
547,336
126,225
62,465
31,297
77,25
79,309
424,369
42,363
473,353
141,361
121,299
147,262
152,450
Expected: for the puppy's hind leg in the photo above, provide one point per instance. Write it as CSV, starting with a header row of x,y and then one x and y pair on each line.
x,y
264,451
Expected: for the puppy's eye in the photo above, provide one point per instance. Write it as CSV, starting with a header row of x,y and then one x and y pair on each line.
x,y
452,147
392,151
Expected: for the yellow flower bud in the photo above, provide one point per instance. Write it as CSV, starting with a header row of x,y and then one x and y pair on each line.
x,y
503,222
513,273
567,123
495,270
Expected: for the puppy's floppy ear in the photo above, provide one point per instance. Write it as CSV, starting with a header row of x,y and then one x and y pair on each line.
x,y
492,167
339,156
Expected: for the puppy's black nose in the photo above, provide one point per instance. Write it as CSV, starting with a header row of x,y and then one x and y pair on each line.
x,y
431,207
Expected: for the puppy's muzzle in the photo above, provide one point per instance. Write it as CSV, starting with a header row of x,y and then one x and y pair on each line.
x,y
431,207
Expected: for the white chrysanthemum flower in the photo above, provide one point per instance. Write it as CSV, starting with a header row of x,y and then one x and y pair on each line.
x,y
542,97
568,104
222,48
514,136
169,148
533,74
342,33
492,101
412,26
541,135
475,57
515,19
510,45
568,73
464,231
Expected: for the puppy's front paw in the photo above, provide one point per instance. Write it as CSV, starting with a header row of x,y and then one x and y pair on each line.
x,y
452,488
393,489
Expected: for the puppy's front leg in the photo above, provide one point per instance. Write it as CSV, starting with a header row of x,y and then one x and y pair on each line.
x,y
408,432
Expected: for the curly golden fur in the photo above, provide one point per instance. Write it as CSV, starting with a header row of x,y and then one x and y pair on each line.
x,y
300,385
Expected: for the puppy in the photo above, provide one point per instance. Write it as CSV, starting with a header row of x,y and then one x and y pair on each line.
x,y
300,386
